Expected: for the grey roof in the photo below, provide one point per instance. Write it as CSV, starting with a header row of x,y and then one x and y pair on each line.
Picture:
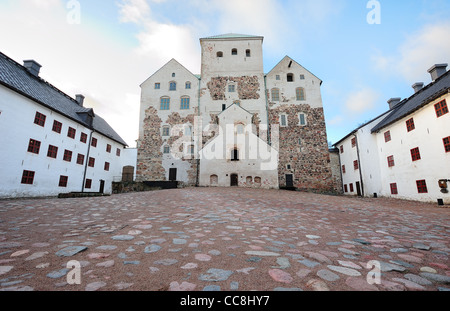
x,y
19,79
232,36
429,93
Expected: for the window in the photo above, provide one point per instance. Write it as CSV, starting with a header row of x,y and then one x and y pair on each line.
x,y
27,177
83,137
67,155
235,154
277,77
390,160
341,149
355,164
71,132
415,154
157,86
351,187
231,88
441,108
248,53
345,188
173,75
234,52
94,142
302,119
447,144
410,125
343,169
63,181
118,152
300,93
353,142
188,130
275,95
219,54
166,131
52,152
387,136
166,149
302,77
172,86
188,85
39,119
422,186
107,166
80,159
91,162
191,149
34,146
283,120
88,184
108,148
394,188
290,77
165,103
185,101
239,129
57,127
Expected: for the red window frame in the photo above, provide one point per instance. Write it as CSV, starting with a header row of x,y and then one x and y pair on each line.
x,y
391,161
106,166
341,148
67,155
387,136
118,152
57,126
345,188
343,169
83,137
80,159
94,142
351,187
52,152
34,146
63,181
415,154
353,142
422,186
108,148
394,189
88,184
27,177
39,119
446,141
71,132
355,165
410,125
441,108
91,162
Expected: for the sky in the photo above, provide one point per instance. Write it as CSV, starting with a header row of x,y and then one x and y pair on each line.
x,y
364,51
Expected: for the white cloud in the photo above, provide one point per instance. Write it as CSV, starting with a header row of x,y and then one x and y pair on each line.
x,y
361,101
133,11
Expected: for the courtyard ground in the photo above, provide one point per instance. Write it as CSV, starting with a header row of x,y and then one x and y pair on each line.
x,y
205,239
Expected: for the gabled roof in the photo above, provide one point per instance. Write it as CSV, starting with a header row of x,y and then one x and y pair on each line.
x,y
17,78
173,60
429,93
287,57
232,36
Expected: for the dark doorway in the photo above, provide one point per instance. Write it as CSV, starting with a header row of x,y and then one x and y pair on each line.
x,y
102,186
172,174
358,188
289,181
234,180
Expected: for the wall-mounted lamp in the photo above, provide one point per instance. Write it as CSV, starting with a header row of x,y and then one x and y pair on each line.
x,y
444,185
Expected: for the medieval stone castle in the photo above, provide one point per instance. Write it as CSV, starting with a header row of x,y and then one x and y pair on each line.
x,y
234,125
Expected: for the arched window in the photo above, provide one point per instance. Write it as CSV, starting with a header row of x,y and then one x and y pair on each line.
x,y
172,86
248,53
219,54
166,130
185,102
290,77
165,103
300,92
275,95
234,52
188,85
166,149
235,154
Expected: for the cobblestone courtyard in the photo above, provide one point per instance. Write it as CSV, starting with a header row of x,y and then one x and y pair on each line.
x,y
223,239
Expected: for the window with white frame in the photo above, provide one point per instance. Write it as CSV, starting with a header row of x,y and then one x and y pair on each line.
x,y
283,120
302,119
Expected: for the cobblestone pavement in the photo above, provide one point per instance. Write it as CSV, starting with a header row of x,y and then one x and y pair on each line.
x,y
207,239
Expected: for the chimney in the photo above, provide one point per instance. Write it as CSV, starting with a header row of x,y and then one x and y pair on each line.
x,y
437,70
79,99
417,86
32,66
393,102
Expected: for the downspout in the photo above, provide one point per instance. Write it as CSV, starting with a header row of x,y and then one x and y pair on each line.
x,y
201,134
87,161
360,166
267,113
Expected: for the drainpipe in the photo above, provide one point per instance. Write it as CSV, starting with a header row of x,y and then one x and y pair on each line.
x,y
201,135
360,166
87,161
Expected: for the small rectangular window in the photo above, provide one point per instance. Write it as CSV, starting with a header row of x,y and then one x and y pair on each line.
x,y
165,103
343,169
415,154
341,149
275,95
118,152
108,148
185,103
88,184
390,160
394,188
57,127
441,108
67,155
302,119
302,77
172,86
157,86
231,88
345,188
234,52
283,120
446,141
353,142
355,165
63,181
410,125
188,85
290,77
277,77
166,131
166,149
83,137
52,152
351,187
106,166
27,177
34,146
39,119
71,132
94,142
80,159
247,53
387,136
91,162
422,186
